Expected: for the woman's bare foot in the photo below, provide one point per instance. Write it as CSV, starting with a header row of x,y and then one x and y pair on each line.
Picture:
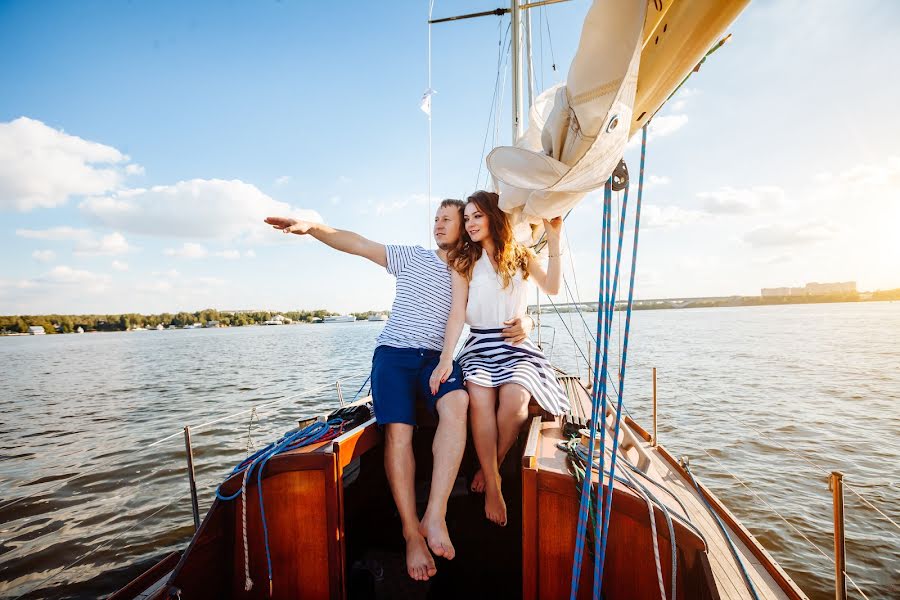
x,y
419,562
478,482
494,504
438,538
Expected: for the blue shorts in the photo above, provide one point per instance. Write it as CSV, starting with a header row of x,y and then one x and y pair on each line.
x,y
400,379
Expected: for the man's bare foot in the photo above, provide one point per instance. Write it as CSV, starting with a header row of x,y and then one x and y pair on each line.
x,y
494,504
437,536
478,482
419,562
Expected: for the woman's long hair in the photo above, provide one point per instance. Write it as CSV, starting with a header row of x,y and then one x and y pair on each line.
x,y
509,255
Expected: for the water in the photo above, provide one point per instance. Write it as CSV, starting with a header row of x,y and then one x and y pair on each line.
x,y
80,488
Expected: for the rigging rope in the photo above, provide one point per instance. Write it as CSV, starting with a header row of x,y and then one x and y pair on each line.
x,y
312,433
734,551
428,94
501,42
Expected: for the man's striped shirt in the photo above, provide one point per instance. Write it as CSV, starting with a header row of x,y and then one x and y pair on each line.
x,y
422,302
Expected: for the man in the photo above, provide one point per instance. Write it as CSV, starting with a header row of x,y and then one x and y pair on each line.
x,y
407,352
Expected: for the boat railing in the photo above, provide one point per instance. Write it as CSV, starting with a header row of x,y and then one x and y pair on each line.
x,y
836,482
171,502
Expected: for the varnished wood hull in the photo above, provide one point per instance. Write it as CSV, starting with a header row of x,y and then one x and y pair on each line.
x,y
321,532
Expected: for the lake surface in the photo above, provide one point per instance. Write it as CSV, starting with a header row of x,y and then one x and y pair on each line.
x,y
778,396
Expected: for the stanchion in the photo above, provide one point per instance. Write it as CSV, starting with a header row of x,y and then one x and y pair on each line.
x,y
195,508
340,393
655,438
836,485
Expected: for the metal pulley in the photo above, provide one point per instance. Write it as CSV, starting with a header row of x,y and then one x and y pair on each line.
x,y
620,176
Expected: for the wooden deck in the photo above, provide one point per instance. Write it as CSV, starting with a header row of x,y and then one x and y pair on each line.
x,y
661,467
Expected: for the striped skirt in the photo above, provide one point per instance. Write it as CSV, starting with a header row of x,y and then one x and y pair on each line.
x,y
488,360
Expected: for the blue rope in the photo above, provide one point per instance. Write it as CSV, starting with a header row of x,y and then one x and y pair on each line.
x,y
604,368
585,500
290,441
734,552
610,309
622,363
606,306
356,395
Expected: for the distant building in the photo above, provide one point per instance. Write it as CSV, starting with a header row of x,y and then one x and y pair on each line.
x,y
212,323
36,330
812,289
782,291
818,289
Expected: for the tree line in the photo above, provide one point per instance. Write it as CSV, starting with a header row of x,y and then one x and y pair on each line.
x,y
124,322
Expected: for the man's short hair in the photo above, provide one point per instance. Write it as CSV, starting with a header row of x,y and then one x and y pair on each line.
x,y
459,204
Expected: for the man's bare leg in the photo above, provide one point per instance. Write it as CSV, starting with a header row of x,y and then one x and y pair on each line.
x,y
449,444
400,466
483,410
511,415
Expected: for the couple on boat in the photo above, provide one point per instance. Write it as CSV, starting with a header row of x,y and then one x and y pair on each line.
x,y
477,276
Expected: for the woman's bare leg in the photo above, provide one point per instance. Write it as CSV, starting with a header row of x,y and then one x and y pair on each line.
x,y
483,412
511,415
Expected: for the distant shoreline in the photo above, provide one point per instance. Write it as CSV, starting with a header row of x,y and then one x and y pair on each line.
x,y
726,301
208,318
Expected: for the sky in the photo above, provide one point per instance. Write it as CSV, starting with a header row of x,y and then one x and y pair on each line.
x,y
142,144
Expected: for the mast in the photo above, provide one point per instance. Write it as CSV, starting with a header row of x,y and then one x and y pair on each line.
x,y
516,63
528,59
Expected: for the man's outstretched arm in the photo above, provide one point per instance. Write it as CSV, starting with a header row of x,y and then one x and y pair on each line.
x,y
345,241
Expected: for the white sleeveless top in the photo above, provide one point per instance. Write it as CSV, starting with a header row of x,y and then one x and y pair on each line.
x,y
489,303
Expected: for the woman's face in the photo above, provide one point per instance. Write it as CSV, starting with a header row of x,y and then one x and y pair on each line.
x,y
476,223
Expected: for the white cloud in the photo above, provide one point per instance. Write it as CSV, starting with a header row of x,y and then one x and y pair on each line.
x,y
134,169
284,179
86,243
680,101
660,126
866,175
199,208
789,235
383,208
56,234
655,181
211,281
667,217
191,250
335,200
67,276
171,273
43,255
108,245
250,253
733,201
42,167
119,265
666,125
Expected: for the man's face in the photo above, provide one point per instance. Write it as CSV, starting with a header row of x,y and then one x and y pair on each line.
x,y
447,227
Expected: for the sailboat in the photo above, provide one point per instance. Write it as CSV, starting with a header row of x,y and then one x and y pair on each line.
x,y
311,517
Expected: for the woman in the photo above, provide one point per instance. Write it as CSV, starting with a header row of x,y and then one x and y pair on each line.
x,y
489,273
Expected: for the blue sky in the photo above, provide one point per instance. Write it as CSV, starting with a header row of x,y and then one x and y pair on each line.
x,y
141,142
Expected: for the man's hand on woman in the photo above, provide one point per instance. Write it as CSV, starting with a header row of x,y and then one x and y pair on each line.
x,y
518,329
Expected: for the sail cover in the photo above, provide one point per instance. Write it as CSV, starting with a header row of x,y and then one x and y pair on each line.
x,y
578,129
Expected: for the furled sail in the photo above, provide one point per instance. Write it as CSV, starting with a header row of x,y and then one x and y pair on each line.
x,y
577,130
